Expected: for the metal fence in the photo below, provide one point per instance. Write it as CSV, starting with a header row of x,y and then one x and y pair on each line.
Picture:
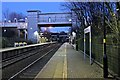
x,y
112,50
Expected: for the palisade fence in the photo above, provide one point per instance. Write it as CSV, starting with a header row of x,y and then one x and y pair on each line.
x,y
112,47
9,42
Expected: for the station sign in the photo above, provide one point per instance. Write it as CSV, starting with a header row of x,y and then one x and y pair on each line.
x,y
87,30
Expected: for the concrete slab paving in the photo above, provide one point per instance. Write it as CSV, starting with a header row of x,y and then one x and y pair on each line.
x,y
69,63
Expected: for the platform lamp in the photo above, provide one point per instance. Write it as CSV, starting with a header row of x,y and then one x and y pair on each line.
x,y
105,59
76,30
26,20
76,39
5,20
36,35
118,25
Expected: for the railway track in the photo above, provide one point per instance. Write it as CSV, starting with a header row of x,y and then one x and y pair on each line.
x,y
26,54
29,65
22,53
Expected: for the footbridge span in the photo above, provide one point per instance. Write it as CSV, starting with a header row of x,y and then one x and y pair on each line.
x,y
36,20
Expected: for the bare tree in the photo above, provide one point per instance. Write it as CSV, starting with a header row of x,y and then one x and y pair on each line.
x,y
92,13
6,14
18,16
11,15
113,21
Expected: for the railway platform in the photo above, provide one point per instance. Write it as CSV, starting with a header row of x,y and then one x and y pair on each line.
x,y
69,63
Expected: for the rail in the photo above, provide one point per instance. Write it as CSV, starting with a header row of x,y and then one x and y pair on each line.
x,y
28,61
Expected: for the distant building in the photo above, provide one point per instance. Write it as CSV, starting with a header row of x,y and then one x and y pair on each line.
x,y
60,37
13,32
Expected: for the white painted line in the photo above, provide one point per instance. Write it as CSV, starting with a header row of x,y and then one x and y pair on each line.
x,y
46,64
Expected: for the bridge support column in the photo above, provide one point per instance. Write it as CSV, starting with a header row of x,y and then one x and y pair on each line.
x,y
25,34
18,33
33,17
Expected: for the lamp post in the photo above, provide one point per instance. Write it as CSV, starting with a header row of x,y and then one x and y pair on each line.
x,y
5,21
9,21
118,24
76,40
105,60
26,20
36,35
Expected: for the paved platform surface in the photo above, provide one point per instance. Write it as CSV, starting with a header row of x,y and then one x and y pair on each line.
x,y
69,63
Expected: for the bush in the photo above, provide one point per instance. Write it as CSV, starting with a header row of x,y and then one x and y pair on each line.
x,y
29,42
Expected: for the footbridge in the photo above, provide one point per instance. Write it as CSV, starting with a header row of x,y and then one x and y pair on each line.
x,y
37,19
54,19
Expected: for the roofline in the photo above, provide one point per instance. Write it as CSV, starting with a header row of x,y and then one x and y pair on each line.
x,y
33,11
8,27
55,13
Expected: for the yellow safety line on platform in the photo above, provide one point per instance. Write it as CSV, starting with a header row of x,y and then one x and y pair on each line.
x,y
65,64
